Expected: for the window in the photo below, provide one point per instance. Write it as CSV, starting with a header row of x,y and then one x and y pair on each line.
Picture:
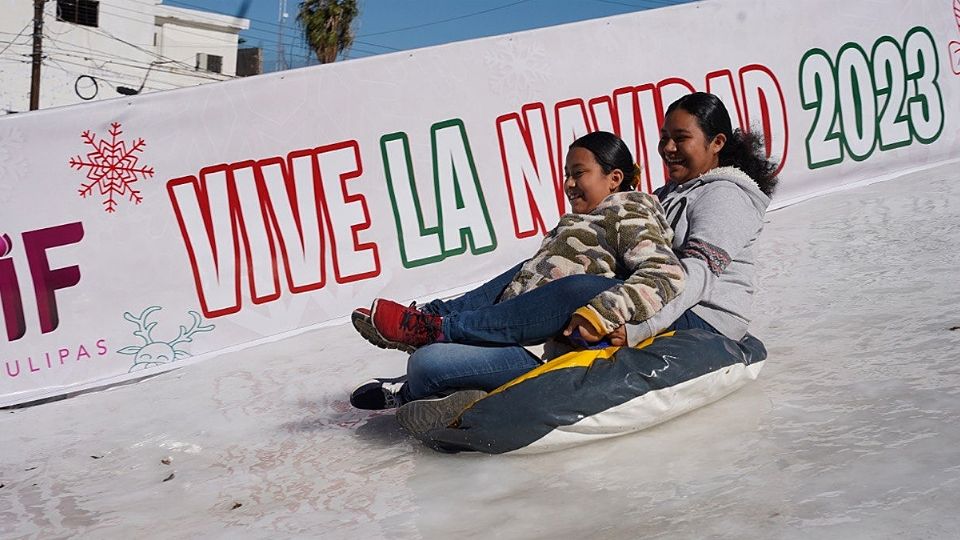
x,y
249,61
209,62
83,12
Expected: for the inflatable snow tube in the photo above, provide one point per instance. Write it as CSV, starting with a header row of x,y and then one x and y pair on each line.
x,y
584,396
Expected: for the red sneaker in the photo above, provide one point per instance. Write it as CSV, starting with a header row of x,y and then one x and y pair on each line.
x,y
406,328
363,324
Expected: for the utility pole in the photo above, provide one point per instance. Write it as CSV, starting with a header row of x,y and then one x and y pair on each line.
x,y
282,20
37,51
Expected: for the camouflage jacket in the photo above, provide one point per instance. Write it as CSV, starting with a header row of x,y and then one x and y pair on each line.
x,y
626,237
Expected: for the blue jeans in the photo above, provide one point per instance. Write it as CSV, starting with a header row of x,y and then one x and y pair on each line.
x,y
486,335
441,368
531,318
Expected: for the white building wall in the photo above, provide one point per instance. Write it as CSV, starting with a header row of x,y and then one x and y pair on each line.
x,y
184,33
82,63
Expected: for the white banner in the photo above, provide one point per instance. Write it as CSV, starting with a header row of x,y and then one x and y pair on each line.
x,y
139,232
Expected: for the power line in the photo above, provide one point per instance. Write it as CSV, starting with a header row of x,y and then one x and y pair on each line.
x,y
202,8
293,43
118,15
261,35
99,69
648,3
153,53
11,42
363,51
56,65
18,34
267,34
66,48
376,45
155,67
474,14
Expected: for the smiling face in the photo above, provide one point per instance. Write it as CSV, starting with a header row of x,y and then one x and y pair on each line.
x,y
685,149
585,183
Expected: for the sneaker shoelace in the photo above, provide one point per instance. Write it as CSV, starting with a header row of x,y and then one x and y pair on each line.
x,y
421,325
391,394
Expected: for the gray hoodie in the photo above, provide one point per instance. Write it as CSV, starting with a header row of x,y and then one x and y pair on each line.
x,y
717,219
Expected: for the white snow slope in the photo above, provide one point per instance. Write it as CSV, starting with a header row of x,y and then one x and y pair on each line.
x,y
851,431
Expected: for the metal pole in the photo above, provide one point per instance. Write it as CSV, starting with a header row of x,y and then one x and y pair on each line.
x,y
281,50
37,52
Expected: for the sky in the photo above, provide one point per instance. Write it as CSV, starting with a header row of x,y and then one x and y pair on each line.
x,y
385,26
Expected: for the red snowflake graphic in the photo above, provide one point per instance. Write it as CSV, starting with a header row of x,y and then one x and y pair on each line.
x,y
113,168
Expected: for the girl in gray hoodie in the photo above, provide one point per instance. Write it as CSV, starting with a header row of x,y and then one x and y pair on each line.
x,y
719,189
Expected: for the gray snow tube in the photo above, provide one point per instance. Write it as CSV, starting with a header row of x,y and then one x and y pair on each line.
x,y
589,395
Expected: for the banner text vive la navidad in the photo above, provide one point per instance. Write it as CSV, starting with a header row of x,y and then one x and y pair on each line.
x,y
152,230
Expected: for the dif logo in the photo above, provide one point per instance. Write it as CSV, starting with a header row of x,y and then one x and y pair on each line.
x,y
46,280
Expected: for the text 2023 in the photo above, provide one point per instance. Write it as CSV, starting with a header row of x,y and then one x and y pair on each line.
x,y
889,98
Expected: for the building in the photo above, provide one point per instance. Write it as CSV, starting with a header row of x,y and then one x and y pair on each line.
x,y
94,50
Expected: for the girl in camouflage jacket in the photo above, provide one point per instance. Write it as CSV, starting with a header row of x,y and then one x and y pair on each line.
x,y
626,237
616,239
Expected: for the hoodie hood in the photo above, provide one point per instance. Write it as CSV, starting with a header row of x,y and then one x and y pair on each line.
x,y
735,176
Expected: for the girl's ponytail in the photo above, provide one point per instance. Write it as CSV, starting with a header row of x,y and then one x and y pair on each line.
x,y
746,151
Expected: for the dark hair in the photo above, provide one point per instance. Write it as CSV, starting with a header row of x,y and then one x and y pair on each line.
x,y
611,153
743,150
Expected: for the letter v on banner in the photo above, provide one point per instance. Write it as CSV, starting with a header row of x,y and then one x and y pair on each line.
x,y
204,212
282,199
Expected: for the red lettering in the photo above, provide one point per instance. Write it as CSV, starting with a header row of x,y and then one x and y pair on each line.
x,y
47,281
765,107
635,113
532,178
260,208
11,301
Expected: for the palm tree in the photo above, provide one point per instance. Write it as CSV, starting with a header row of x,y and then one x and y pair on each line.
x,y
326,26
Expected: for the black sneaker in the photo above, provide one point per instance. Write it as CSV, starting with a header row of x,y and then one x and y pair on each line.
x,y
420,416
378,394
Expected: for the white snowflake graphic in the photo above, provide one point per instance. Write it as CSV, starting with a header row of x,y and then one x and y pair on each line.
x,y
113,168
516,67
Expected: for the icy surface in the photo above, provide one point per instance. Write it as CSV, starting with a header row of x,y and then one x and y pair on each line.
x,y
852,430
